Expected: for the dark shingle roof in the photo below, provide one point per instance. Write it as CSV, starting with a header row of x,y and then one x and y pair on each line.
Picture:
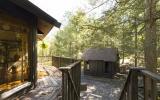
x,y
105,54
45,22
30,7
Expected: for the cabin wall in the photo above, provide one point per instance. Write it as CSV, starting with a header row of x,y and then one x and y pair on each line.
x,y
15,37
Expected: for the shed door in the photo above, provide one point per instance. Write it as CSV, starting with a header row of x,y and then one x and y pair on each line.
x,y
107,67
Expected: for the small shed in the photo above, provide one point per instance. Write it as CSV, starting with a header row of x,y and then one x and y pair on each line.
x,y
21,25
101,62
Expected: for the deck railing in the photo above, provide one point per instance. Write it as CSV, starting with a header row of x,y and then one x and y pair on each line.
x,y
55,61
141,84
62,61
45,60
71,76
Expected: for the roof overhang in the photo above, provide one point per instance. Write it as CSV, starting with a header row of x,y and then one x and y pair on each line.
x,y
43,28
44,21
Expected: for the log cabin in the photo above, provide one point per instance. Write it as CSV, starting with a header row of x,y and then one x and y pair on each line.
x,y
101,62
22,24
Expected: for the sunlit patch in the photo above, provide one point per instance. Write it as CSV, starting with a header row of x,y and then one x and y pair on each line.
x,y
91,88
27,98
7,86
116,91
41,74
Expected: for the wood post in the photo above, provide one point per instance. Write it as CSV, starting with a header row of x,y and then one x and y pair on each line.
x,y
32,49
131,88
149,89
71,81
134,85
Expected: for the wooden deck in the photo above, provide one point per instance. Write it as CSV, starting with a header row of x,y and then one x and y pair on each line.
x,y
48,86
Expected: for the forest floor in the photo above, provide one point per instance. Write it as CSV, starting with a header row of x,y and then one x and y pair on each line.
x,y
101,88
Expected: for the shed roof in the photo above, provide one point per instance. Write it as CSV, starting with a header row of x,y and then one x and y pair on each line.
x,y
105,54
45,22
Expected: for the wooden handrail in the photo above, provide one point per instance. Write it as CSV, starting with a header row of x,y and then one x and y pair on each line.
x,y
62,61
131,89
151,75
69,66
71,81
56,61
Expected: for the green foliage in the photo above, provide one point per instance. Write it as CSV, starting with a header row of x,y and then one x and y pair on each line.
x,y
116,28
42,48
43,45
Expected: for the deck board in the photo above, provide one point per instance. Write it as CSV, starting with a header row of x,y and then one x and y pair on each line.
x,y
48,87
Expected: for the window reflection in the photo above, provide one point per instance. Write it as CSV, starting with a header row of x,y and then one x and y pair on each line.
x,y
13,62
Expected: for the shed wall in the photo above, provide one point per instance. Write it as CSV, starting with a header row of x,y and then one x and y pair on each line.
x,y
97,68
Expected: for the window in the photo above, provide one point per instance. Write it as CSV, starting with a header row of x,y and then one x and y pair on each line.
x,y
88,67
13,61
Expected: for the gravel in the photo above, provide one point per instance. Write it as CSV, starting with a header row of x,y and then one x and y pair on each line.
x,y
101,88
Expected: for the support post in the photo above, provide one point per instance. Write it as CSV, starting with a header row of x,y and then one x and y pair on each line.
x,y
32,48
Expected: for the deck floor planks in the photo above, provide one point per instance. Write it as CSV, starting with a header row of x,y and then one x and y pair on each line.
x,y
48,87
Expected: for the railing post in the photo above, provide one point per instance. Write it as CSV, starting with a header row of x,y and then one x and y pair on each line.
x,y
64,85
134,85
154,89
149,89
131,88
71,81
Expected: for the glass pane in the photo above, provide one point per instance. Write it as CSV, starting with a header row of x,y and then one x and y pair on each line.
x,y
13,62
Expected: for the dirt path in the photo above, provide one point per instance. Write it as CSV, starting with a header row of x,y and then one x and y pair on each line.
x,y
101,88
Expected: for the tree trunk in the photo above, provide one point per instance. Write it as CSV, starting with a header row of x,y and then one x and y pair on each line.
x,y
123,49
136,46
150,45
123,56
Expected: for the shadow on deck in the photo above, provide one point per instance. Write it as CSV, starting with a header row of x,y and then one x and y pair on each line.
x,y
48,87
